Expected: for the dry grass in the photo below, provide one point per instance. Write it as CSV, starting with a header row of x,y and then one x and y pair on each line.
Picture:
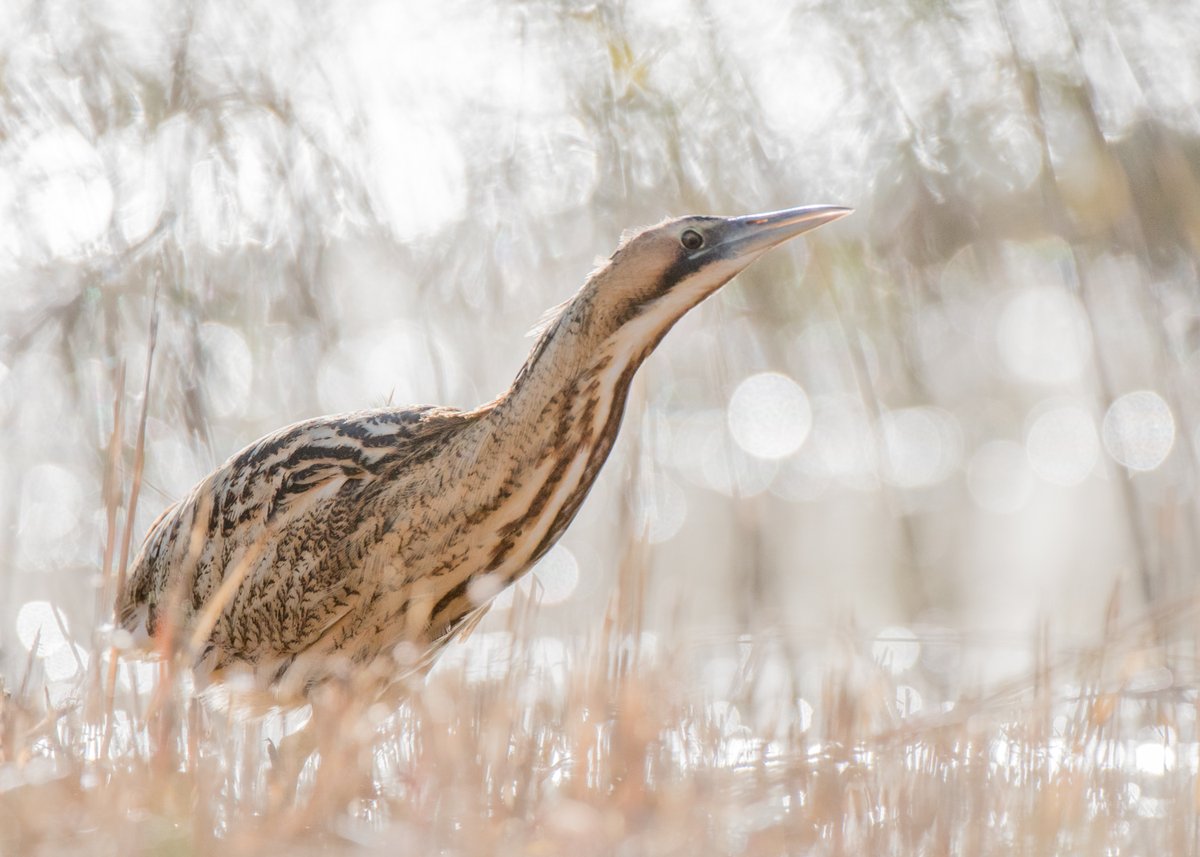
x,y
524,746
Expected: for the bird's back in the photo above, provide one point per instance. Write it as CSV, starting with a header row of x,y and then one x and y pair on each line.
x,y
274,549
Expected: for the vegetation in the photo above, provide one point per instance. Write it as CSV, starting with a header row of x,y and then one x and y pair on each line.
x,y
896,553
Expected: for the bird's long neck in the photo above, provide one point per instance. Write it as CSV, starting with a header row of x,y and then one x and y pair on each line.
x,y
551,432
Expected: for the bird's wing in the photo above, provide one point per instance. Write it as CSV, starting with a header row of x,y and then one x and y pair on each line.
x,y
269,516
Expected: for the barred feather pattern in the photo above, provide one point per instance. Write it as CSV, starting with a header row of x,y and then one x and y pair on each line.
x,y
360,531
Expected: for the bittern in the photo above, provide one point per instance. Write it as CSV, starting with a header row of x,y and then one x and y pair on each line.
x,y
330,542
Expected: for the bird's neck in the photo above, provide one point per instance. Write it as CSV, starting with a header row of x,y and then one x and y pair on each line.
x,y
548,436
580,367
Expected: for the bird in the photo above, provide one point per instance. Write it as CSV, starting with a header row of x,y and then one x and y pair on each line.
x,y
331,544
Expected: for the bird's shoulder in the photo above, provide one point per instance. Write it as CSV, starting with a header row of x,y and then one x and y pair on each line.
x,y
380,431
315,458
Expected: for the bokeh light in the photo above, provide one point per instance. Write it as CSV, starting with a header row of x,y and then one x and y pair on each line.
x,y
1139,430
556,575
1155,758
769,415
38,622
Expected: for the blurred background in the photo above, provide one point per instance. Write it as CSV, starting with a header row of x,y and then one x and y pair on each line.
x,y
970,409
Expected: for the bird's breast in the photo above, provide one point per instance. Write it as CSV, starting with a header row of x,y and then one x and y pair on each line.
x,y
518,511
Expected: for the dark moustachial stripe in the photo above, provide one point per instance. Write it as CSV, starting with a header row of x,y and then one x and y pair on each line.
x,y
687,263
681,269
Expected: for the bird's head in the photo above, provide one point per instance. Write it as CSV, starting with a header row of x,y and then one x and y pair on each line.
x,y
655,276
658,274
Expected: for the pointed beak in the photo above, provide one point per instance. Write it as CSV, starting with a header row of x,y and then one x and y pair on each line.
x,y
755,233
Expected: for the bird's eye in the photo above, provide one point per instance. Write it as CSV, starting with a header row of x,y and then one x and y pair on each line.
x,y
691,239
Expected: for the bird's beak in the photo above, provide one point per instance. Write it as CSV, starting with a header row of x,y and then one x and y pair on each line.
x,y
755,233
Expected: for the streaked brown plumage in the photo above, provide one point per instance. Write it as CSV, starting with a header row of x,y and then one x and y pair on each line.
x,y
329,542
